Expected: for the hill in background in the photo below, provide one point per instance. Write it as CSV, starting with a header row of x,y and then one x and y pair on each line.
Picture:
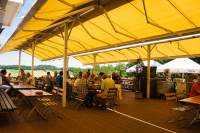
x,y
39,67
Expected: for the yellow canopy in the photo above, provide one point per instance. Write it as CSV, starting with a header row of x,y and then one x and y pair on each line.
x,y
116,23
182,48
43,14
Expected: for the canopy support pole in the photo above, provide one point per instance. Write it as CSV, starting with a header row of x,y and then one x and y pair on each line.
x,y
94,64
33,55
148,71
19,63
67,32
65,64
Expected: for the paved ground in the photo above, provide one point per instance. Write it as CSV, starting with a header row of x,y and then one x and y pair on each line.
x,y
97,121
157,112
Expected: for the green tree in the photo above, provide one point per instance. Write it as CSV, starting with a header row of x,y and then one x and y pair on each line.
x,y
130,64
121,69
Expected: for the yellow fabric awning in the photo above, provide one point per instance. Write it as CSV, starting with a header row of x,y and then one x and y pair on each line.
x,y
118,23
49,11
184,48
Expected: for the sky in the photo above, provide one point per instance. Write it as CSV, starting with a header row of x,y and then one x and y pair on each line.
x,y
12,58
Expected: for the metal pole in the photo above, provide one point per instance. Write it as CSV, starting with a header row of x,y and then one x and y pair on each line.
x,y
94,64
19,63
65,65
33,55
148,71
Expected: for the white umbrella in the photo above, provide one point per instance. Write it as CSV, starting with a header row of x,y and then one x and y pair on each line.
x,y
152,63
180,65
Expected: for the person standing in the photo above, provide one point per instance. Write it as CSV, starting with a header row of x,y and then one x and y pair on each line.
x,y
48,82
54,77
195,90
59,80
5,82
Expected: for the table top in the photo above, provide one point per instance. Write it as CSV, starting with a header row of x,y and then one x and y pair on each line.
x,y
23,86
33,93
192,100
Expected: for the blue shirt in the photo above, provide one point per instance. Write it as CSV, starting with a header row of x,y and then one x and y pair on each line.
x,y
59,81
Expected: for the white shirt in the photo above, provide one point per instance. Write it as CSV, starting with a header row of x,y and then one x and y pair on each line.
x,y
0,80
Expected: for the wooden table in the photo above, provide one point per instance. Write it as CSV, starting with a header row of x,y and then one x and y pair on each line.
x,y
23,87
30,95
194,101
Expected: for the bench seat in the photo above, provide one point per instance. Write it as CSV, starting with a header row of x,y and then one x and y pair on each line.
x,y
6,104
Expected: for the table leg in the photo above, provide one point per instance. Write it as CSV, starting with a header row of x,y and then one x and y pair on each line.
x,y
196,118
35,108
30,113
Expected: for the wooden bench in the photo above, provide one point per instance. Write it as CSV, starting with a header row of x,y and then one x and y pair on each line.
x,y
170,96
57,91
6,104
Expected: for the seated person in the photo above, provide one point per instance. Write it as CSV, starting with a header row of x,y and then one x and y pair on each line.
x,y
117,80
22,76
81,86
5,82
105,85
28,78
59,83
195,90
77,79
9,77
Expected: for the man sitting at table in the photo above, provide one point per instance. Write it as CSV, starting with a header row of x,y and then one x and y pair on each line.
x,y
5,83
78,79
195,90
22,76
105,85
81,86
28,78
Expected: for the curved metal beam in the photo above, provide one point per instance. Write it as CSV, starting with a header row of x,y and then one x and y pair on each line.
x,y
153,23
85,29
104,30
181,48
49,51
59,44
67,3
43,19
82,46
118,51
112,25
138,56
160,51
136,52
37,53
42,43
181,12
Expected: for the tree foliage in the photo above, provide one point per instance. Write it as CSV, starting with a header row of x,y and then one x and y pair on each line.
x,y
39,67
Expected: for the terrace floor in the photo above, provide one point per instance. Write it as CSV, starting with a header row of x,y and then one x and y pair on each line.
x,y
131,116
